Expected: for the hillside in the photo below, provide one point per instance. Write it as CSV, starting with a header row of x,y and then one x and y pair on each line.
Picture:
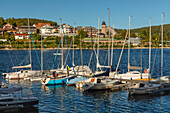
x,y
24,21
155,29
144,31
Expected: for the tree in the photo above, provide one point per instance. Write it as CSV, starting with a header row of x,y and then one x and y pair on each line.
x,y
7,37
1,21
82,33
123,33
116,36
132,34
12,38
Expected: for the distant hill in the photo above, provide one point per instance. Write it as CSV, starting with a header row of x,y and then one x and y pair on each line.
x,y
156,30
24,21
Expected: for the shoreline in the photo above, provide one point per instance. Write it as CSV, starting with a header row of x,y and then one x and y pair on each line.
x,y
82,48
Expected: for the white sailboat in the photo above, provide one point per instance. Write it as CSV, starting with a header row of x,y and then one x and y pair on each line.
x,y
163,78
134,75
22,73
82,70
99,80
149,87
38,77
57,78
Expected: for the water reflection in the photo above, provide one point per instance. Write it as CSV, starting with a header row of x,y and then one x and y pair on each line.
x,y
98,93
29,110
137,98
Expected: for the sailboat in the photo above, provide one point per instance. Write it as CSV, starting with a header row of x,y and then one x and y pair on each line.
x,y
81,70
57,78
149,87
162,78
99,80
134,75
23,73
38,77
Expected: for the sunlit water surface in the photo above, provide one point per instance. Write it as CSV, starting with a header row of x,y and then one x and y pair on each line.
x,y
67,99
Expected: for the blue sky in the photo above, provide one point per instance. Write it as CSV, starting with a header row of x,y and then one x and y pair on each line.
x,y
86,12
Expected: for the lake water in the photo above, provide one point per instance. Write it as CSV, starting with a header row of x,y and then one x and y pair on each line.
x,y
67,99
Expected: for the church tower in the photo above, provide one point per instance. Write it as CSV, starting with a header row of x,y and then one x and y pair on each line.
x,y
104,30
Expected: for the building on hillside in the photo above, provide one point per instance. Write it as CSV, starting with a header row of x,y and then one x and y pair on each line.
x,y
8,28
21,36
105,29
40,25
3,40
91,31
101,35
55,30
88,30
67,29
46,29
134,41
25,29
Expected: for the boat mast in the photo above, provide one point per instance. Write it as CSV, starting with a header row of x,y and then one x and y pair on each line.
x,y
141,59
62,67
42,54
109,40
98,44
129,46
81,52
162,47
29,42
73,44
149,50
112,45
92,49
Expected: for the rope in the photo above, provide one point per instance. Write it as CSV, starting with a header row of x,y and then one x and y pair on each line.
x,y
10,58
121,51
90,60
154,60
35,49
68,49
68,53
24,60
105,59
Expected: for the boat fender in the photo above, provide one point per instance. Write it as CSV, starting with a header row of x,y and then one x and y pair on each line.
x,y
62,82
92,79
146,71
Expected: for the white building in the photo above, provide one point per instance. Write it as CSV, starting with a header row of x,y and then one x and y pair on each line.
x,y
134,41
46,29
21,36
3,40
67,29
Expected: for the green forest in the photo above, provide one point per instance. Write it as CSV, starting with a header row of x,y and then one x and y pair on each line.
x,y
24,21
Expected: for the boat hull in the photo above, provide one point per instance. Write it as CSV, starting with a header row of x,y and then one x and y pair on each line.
x,y
56,81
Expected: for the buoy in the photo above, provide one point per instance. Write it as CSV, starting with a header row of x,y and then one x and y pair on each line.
x,y
146,71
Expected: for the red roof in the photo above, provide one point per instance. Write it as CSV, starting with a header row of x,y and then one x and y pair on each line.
x,y
21,35
43,24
